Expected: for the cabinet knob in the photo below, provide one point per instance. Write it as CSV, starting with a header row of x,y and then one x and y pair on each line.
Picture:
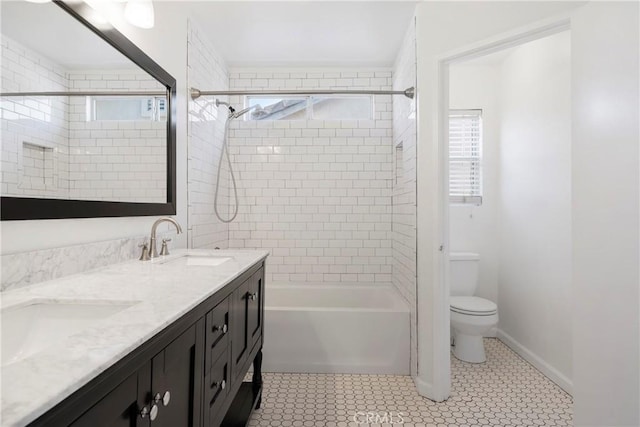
x,y
222,328
164,399
151,413
253,296
144,412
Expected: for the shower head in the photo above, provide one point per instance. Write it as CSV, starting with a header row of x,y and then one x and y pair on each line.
x,y
219,103
235,114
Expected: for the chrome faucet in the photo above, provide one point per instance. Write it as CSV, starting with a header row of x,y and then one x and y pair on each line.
x,y
153,250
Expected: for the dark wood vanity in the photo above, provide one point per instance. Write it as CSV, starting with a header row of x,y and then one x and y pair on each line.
x,y
188,375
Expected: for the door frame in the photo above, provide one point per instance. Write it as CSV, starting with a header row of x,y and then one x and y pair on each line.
x,y
441,381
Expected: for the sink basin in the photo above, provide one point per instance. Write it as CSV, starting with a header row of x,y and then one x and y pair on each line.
x,y
200,260
31,327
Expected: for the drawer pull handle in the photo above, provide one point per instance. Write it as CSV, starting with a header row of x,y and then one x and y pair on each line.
x,y
144,412
253,296
217,328
222,384
164,399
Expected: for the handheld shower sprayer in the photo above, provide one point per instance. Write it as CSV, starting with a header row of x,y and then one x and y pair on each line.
x,y
233,114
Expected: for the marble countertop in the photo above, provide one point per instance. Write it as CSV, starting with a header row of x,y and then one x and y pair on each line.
x,y
162,291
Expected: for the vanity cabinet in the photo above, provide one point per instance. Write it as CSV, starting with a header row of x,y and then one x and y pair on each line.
x,y
189,375
116,408
161,391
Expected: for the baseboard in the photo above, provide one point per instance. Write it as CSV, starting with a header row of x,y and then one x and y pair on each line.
x,y
547,370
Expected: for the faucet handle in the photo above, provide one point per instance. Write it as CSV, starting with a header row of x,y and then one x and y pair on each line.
x,y
144,256
165,248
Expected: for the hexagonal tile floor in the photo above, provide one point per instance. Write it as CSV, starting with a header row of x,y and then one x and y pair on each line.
x,y
504,391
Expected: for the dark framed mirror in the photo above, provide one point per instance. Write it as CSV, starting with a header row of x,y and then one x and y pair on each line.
x,y
88,119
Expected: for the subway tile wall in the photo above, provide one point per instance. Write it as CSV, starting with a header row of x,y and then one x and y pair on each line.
x,y
115,159
403,234
34,130
316,193
50,149
207,71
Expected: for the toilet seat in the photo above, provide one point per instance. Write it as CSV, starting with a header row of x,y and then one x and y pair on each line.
x,y
473,306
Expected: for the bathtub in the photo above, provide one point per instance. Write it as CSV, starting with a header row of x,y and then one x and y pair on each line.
x,y
335,329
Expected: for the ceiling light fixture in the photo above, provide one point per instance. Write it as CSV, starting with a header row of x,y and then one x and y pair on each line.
x,y
140,13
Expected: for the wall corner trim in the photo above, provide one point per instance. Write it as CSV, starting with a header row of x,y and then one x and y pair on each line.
x,y
425,389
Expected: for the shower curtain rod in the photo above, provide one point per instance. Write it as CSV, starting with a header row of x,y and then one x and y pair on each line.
x,y
86,93
197,93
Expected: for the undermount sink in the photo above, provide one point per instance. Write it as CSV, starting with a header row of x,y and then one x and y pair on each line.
x,y
199,260
36,325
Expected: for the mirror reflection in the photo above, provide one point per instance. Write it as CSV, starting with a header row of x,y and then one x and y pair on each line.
x,y
101,136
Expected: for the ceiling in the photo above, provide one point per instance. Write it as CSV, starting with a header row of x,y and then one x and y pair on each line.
x,y
55,34
305,33
245,33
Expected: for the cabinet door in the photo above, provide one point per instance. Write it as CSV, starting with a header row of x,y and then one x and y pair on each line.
x,y
216,390
255,306
121,407
217,332
173,382
239,336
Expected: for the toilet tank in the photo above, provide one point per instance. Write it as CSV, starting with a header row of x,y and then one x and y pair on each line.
x,y
463,273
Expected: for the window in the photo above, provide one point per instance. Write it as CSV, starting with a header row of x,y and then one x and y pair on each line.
x,y
310,107
465,156
127,108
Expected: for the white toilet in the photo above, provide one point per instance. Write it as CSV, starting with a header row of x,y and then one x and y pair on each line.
x,y
471,317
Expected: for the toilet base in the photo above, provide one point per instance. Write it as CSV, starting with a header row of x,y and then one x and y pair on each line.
x,y
469,348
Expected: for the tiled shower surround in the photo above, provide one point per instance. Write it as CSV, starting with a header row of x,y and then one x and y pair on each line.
x,y
34,130
332,200
404,189
316,193
50,148
206,128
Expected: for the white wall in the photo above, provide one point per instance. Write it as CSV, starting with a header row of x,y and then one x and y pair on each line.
x,y
166,43
474,228
534,289
605,196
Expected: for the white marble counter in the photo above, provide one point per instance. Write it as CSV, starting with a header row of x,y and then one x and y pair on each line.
x,y
165,291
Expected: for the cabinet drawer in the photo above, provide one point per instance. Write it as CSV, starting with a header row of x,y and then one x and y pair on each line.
x,y
217,332
217,385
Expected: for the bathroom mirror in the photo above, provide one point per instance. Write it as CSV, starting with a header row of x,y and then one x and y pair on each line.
x,y
88,119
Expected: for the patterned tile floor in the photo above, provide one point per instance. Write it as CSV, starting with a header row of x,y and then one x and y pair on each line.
x,y
504,391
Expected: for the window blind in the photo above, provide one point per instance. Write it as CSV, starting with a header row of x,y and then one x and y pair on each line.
x,y
465,156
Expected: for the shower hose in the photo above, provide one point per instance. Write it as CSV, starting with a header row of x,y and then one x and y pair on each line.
x,y
225,153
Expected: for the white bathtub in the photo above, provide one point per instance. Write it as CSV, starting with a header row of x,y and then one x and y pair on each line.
x,y
336,329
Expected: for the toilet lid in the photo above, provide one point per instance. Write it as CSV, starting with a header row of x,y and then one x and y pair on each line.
x,y
473,305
